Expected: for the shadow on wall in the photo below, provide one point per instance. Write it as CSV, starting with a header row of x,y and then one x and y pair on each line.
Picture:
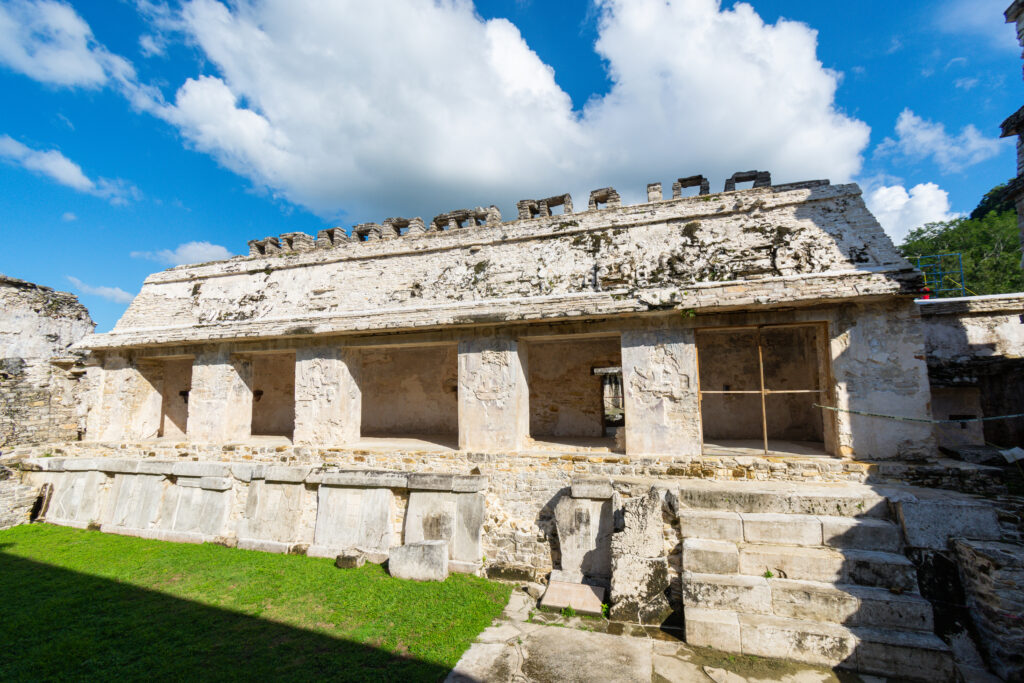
x,y
62,625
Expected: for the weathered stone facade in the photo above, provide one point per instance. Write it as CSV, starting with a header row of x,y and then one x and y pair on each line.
x,y
40,376
444,385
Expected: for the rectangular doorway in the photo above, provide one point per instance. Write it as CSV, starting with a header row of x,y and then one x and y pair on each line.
x,y
575,392
760,388
410,394
273,394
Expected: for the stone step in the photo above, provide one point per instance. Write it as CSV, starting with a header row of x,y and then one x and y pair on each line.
x,y
863,533
850,605
838,500
846,604
907,655
828,565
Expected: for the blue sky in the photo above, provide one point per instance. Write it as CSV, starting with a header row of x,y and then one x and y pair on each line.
x,y
139,135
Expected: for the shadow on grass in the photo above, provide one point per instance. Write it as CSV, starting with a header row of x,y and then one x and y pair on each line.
x,y
57,624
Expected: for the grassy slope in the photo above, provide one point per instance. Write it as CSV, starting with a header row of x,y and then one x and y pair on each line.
x,y
81,604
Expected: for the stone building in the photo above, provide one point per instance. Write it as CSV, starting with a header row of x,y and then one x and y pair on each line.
x,y
687,403
40,374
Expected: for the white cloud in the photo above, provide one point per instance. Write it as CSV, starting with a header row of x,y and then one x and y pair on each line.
x,y
68,217
429,107
189,252
965,83
900,211
115,294
59,168
918,139
979,19
49,42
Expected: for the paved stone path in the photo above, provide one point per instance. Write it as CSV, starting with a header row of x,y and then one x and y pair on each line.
x,y
524,645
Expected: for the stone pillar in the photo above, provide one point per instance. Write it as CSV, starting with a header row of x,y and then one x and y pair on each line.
x,y
127,402
659,388
494,408
220,402
328,402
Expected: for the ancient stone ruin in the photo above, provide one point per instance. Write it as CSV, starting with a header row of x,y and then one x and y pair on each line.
x,y
703,411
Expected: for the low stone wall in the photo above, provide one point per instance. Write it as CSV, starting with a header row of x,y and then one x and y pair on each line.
x,y
275,508
16,500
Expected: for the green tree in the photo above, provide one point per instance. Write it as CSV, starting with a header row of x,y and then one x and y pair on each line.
x,y
989,241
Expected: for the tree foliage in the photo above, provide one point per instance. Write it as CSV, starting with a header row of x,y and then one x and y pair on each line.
x,y
988,239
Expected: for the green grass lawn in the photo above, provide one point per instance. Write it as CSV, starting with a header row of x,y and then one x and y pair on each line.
x,y
78,605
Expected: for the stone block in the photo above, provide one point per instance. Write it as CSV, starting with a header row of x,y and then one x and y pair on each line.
x,y
77,498
188,482
195,510
711,524
161,467
353,518
360,478
430,482
584,534
705,556
718,629
580,597
862,567
422,561
643,533
350,559
598,489
215,483
797,640
287,475
135,500
850,605
904,655
747,594
453,517
245,471
80,465
565,576
770,527
273,512
638,590
864,533
201,469
930,523
119,465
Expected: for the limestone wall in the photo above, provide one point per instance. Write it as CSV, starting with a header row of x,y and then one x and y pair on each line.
x,y
753,247
975,348
16,500
410,390
41,380
565,396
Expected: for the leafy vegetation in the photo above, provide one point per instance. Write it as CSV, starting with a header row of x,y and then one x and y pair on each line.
x,y
988,239
81,605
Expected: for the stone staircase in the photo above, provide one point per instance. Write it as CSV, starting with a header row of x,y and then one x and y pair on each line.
x,y
812,574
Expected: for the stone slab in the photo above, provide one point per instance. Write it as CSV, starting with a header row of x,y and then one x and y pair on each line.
x,y
453,517
718,629
354,518
598,489
863,533
718,525
422,561
580,597
930,523
706,556
584,535
797,640
201,469
215,483
735,592
771,527
134,500
287,475
274,512
360,479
